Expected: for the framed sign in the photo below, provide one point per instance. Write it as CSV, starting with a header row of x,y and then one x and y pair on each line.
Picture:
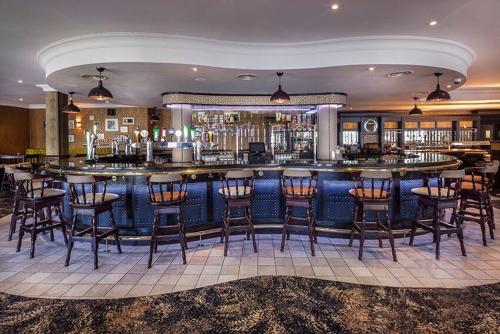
x,y
71,138
128,120
111,124
71,124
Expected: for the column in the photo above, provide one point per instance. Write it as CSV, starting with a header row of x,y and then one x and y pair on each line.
x,y
181,118
327,131
56,122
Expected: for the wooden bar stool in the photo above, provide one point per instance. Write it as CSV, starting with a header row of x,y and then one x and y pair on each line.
x,y
372,193
299,189
85,200
167,192
33,196
475,194
439,198
238,189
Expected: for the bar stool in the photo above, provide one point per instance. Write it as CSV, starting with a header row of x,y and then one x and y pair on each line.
x,y
32,195
86,201
238,189
372,193
166,193
444,196
299,189
475,194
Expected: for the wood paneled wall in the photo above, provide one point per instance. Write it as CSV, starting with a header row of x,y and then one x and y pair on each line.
x,y
14,130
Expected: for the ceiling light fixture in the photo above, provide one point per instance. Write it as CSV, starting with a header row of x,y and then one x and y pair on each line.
x,y
20,81
71,108
195,69
247,76
200,79
416,110
399,74
438,94
371,68
21,100
433,23
280,96
335,6
100,93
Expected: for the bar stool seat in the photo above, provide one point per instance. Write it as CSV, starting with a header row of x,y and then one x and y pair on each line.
x,y
469,178
91,204
167,192
298,187
372,193
48,192
238,189
439,198
100,198
435,192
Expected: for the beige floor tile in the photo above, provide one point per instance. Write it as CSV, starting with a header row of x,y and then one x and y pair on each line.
x,y
182,288
160,289
380,271
266,270
285,270
111,278
205,280
193,269
227,278
371,280
188,279
304,271
37,278
322,271
57,290
342,272
230,270
119,291
98,290
140,290
78,290
73,278
149,279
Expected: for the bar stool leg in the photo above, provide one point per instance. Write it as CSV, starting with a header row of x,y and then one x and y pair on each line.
x,y
71,243
414,225
95,242
115,233
354,221
491,217
437,233
33,232
481,222
152,241
310,229
227,215
58,210
20,235
391,236
13,218
182,237
284,229
251,228
379,232
362,236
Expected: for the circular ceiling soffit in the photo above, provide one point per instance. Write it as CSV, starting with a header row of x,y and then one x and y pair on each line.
x,y
171,49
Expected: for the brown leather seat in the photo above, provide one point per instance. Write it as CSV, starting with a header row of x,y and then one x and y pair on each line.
x,y
299,191
477,178
368,193
47,192
168,196
88,199
424,191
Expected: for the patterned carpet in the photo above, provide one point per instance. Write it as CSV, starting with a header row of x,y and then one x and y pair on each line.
x,y
5,203
265,305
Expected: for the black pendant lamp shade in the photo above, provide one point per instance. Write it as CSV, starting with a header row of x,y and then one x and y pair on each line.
x,y
438,94
71,108
415,110
100,93
280,96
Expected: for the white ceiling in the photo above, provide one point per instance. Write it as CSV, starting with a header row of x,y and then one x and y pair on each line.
x,y
29,25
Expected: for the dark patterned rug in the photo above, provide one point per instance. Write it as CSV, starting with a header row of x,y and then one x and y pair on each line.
x,y
265,305
5,203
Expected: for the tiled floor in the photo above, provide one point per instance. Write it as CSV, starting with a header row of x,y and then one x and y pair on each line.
x,y
125,275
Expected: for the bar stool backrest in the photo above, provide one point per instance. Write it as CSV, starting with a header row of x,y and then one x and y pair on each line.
x,y
238,183
24,182
79,191
9,174
374,185
167,188
298,182
484,178
449,184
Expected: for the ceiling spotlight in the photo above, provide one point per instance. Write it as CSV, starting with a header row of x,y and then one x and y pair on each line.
x,y
247,77
416,110
200,79
20,81
195,69
335,6
448,86
100,93
71,108
21,100
433,23
438,94
399,74
280,96
371,68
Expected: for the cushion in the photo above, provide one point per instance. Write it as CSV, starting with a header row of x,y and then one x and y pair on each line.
x,y
423,191
98,198
471,186
233,192
47,192
169,196
477,178
376,193
297,191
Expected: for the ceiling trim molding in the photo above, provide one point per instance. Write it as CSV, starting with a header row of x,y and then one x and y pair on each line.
x,y
46,88
86,106
120,47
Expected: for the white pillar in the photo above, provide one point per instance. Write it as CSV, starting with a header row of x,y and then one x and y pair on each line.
x,y
327,131
181,116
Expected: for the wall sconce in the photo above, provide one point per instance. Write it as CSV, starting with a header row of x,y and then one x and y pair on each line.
x,y
78,121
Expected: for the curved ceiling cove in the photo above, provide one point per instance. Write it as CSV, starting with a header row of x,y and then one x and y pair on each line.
x,y
169,49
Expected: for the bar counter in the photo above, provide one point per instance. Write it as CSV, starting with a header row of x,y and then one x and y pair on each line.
x,y
203,211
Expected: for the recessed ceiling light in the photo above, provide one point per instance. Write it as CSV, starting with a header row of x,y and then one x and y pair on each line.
x,y
19,81
335,6
399,74
433,23
200,79
371,68
195,69
21,100
448,86
246,76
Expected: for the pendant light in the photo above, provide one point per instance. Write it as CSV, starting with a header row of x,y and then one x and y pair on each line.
x,y
416,110
438,94
100,93
71,108
280,96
